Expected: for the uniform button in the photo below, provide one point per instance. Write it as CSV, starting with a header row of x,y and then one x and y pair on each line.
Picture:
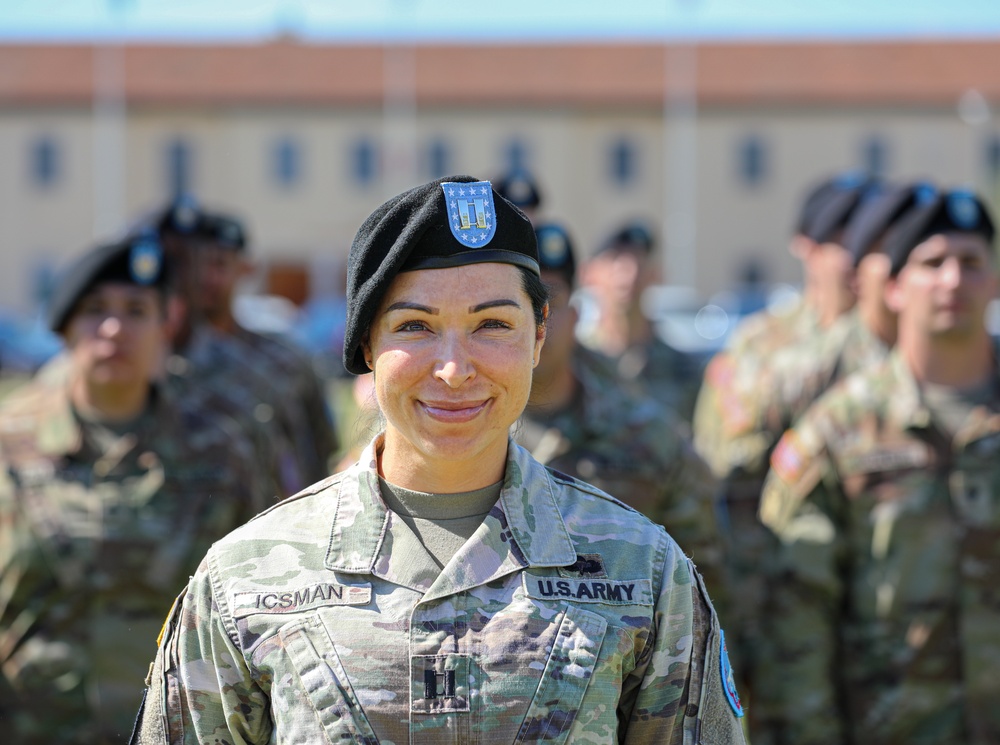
x,y
263,413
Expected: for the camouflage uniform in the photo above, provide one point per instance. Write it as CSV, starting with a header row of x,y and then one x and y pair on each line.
x,y
728,433
663,372
798,376
635,449
99,530
232,370
300,386
566,618
885,614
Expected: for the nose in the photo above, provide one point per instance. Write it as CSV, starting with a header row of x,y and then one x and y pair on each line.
x,y
454,366
951,272
110,327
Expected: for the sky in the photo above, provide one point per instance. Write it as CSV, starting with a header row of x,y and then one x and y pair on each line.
x,y
467,20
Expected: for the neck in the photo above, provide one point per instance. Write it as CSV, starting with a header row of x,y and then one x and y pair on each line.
x,y
111,403
553,392
223,321
958,363
401,464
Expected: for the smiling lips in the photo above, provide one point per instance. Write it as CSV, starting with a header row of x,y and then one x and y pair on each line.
x,y
453,412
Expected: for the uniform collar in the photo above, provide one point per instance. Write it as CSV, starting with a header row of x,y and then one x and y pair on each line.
x,y
524,529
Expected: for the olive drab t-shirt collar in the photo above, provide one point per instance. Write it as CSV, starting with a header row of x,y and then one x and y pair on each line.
x,y
523,529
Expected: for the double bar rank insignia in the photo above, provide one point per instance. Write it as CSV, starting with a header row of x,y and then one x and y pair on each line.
x,y
471,215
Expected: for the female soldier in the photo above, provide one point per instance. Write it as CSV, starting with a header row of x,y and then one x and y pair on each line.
x,y
446,588
110,493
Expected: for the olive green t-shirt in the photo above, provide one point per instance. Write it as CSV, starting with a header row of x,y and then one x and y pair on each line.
x,y
441,523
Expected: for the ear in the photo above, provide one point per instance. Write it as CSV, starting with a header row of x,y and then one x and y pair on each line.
x,y
540,337
366,352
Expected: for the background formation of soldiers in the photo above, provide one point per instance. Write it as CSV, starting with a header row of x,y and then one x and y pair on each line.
x,y
833,471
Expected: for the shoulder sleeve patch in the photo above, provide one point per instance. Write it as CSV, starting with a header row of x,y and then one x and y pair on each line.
x,y
789,458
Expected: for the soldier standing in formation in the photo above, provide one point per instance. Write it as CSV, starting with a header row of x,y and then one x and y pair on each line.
x,y
110,491
617,277
582,422
884,500
446,587
731,431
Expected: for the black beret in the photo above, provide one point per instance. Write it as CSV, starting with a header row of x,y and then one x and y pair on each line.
x,y
181,216
519,188
878,214
453,221
958,211
137,259
555,251
837,206
814,201
631,236
224,230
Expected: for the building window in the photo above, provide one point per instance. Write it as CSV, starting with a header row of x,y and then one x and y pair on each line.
x,y
752,161
875,156
44,165
180,157
622,162
993,157
364,162
515,156
286,162
437,160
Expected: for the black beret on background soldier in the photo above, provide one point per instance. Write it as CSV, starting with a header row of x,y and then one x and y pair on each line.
x,y
447,585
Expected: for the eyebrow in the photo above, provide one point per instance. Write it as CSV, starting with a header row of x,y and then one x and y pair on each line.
x,y
403,305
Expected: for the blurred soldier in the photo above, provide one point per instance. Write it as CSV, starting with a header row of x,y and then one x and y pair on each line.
x,y
885,498
519,188
582,422
225,374
857,339
731,431
110,492
219,264
617,276
725,415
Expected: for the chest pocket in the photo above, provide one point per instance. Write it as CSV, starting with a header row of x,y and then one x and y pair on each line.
x,y
325,682
567,675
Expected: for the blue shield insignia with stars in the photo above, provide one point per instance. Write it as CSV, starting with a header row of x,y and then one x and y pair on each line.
x,y
470,212
145,260
728,681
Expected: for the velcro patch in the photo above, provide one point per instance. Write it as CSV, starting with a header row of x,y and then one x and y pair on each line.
x,y
301,599
789,458
607,591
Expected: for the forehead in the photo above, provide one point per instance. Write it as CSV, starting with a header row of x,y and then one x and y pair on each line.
x,y
460,285
121,291
944,244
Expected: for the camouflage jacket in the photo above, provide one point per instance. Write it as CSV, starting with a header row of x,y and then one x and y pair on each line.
x,y
669,375
98,532
300,386
799,375
885,614
635,449
566,618
728,409
233,370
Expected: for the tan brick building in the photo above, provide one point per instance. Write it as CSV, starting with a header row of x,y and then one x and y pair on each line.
x,y
304,140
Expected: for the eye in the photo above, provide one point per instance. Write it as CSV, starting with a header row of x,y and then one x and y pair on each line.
x,y
494,323
411,326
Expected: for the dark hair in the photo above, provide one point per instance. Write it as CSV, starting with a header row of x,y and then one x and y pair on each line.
x,y
537,292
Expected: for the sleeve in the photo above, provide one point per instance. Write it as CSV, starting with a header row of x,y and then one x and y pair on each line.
x,y
201,689
678,688
805,590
